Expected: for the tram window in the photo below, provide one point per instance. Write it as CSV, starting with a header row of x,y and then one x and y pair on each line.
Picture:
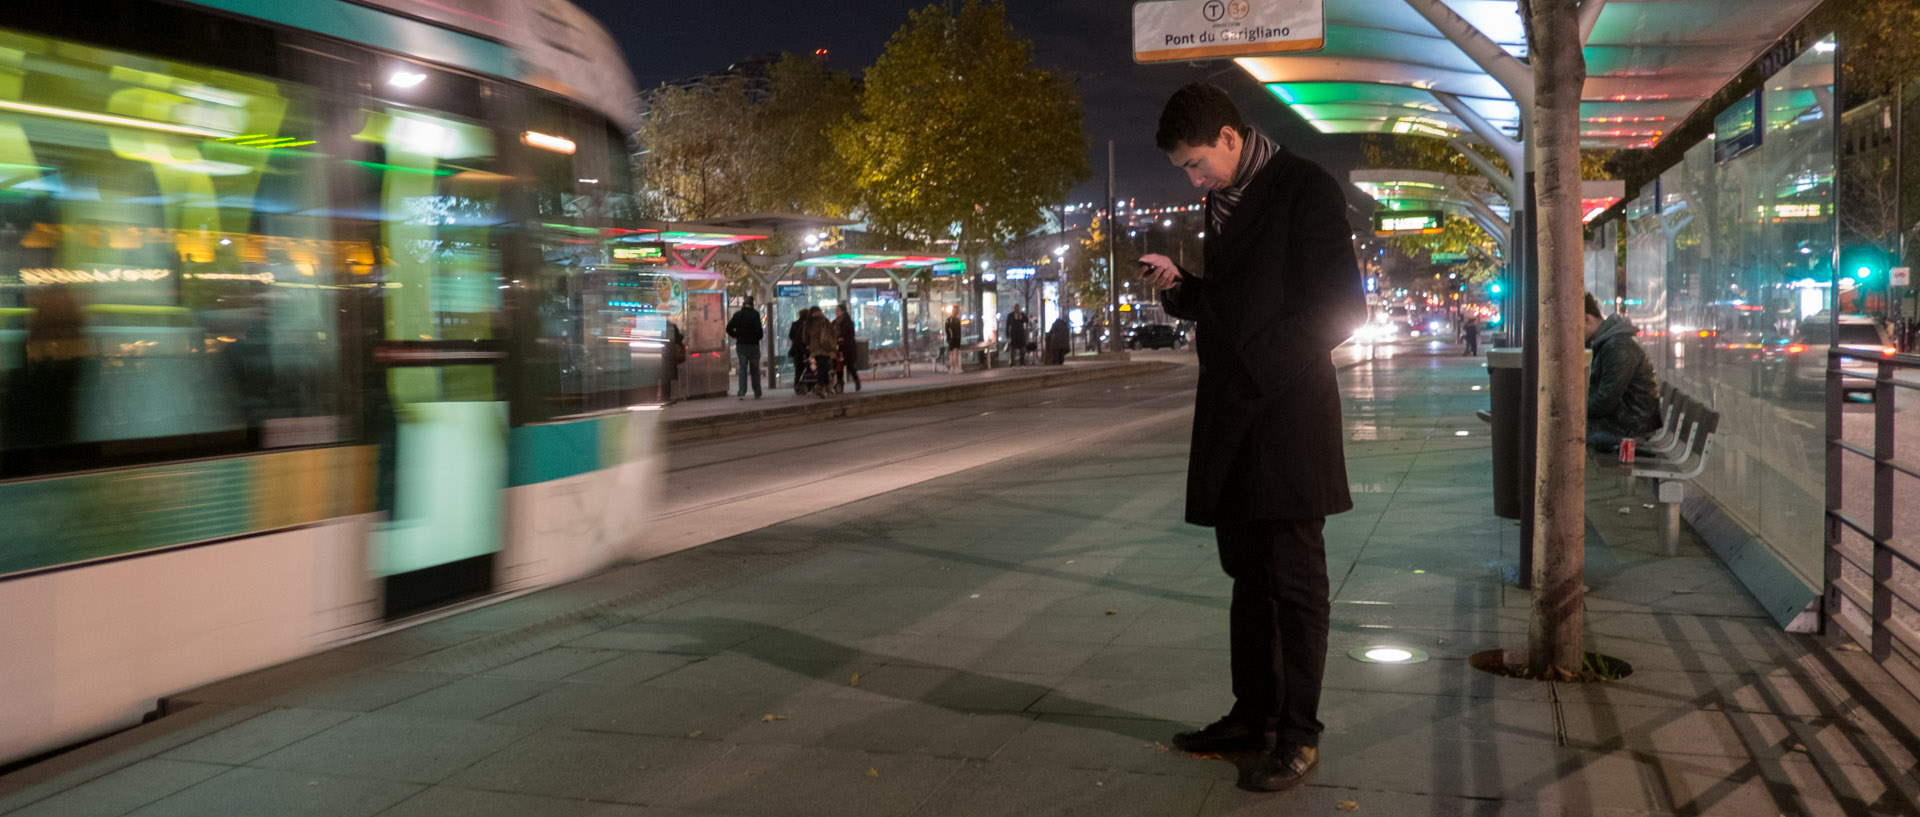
x,y
434,182
168,283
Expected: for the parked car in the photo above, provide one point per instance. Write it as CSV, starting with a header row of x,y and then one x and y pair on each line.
x,y
1805,357
1154,336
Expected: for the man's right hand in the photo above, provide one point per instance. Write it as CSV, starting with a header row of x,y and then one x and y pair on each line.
x,y
1159,271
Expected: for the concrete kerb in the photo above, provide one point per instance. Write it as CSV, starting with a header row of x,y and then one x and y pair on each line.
x,y
777,417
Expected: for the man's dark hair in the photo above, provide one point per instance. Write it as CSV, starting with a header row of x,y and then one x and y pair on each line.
x,y
748,301
1194,116
1593,306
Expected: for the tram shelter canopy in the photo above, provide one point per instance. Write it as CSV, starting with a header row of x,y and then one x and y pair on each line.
x,y
1650,63
1469,196
893,262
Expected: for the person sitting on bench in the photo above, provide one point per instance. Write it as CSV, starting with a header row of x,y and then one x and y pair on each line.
x,y
1622,398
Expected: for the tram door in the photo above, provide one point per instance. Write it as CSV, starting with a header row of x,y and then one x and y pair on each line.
x,y
443,470
438,363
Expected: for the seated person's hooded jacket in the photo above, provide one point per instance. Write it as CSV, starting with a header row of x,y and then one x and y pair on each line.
x,y
1622,396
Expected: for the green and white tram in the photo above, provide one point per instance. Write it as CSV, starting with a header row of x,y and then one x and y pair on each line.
x,y
308,323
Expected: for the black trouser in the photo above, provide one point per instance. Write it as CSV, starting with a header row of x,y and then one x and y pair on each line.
x,y
1473,344
845,371
1278,623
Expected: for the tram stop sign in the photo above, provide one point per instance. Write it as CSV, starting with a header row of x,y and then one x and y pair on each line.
x,y
1185,30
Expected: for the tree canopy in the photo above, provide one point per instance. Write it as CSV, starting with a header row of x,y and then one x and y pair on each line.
x,y
959,134
736,145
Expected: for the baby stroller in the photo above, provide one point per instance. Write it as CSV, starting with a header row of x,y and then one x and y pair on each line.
x,y
814,381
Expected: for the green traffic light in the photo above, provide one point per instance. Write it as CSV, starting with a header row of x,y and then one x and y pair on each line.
x,y
1863,273
1495,289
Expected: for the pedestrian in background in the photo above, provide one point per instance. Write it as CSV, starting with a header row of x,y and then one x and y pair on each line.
x,y
1017,331
1265,469
849,348
1470,334
953,340
1059,339
744,327
823,345
797,343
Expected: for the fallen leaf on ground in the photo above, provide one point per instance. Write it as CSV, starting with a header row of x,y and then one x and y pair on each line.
x,y
769,718
695,733
873,772
1626,510
1348,805
1070,561
1113,611
1439,641
855,681
1419,571
1799,747
1852,647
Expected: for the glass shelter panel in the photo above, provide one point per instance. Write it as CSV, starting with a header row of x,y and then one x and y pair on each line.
x,y
1748,246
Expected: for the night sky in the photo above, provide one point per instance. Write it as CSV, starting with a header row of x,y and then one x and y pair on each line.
x,y
1089,39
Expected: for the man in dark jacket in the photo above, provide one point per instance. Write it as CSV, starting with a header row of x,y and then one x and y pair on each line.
x,y
1018,327
797,343
1282,289
1622,398
744,328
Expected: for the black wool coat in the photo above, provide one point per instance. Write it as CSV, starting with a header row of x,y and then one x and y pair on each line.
x,y
1282,289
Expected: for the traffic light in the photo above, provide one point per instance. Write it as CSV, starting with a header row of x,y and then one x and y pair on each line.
x,y
1494,288
1863,263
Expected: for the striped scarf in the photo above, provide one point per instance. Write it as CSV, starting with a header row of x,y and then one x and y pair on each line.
x,y
1253,156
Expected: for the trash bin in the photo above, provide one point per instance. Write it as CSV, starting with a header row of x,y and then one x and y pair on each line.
x,y
1503,366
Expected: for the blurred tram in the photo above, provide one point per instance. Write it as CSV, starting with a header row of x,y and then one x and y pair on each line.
x,y
310,322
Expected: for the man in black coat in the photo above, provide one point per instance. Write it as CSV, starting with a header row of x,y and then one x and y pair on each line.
x,y
744,327
1281,289
1623,399
1017,329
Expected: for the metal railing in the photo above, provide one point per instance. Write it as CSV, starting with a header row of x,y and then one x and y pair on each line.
x,y
1872,584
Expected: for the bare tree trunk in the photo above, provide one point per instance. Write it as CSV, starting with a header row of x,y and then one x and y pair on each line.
x,y
1555,642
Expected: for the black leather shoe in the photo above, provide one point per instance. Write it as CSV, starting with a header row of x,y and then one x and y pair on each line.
x,y
1286,768
1224,736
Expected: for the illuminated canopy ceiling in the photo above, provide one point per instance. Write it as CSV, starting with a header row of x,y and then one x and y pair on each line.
x,y
1649,64
882,261
1461,194
1469,197
687,235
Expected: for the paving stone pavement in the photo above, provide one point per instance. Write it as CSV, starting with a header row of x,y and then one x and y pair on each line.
x,y
1022,638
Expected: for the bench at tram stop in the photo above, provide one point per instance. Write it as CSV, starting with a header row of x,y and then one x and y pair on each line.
x,y
1670,458
984,353
888,356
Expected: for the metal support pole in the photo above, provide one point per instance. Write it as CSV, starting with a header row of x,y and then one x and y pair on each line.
x,y
1527,297
1113,262
1501,182
1508,147
1884,472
